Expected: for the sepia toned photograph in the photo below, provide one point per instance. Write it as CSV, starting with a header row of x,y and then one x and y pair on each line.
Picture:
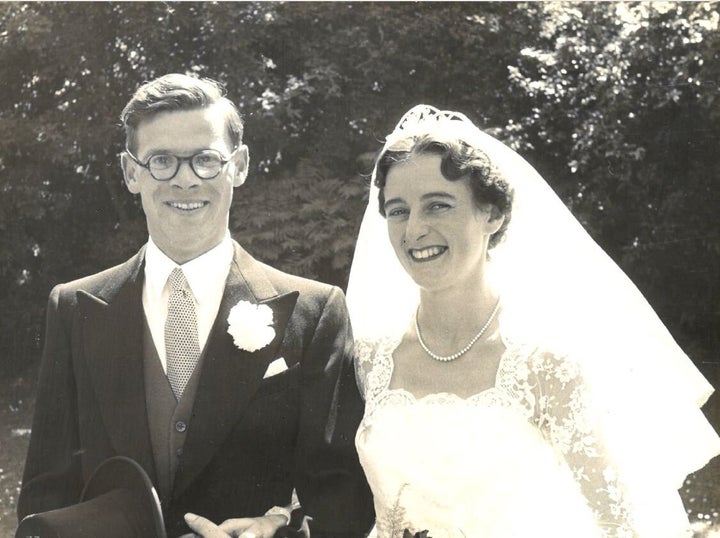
x,y
360,269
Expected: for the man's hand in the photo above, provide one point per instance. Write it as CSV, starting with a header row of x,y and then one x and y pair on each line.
x,y
246,527
202,527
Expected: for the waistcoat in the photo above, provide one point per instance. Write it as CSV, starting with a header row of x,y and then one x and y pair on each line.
x,y
168,418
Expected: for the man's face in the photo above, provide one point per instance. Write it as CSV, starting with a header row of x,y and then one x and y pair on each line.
x,y
186,216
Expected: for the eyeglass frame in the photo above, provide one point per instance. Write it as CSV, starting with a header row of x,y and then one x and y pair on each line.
x,y
181,160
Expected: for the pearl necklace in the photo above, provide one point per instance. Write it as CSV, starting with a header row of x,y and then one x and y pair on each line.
x,y
463,350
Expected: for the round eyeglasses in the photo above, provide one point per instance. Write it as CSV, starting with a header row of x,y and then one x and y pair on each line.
x,y
205,164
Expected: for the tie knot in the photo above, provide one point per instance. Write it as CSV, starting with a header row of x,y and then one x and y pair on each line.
x,y
177,280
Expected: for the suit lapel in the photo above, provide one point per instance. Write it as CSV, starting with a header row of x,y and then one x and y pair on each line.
x,y
112,329
230,376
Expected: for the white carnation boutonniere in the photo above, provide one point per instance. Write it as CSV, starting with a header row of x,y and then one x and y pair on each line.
x,y
250,325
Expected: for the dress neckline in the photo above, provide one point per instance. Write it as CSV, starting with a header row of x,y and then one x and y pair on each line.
x,y
386,368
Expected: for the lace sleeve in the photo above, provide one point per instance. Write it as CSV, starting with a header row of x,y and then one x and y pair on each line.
x,y
364,352
563,416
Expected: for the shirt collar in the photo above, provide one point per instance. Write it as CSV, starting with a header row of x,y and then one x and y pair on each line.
x,y
204,274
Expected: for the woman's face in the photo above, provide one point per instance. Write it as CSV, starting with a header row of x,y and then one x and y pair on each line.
x,y
437,230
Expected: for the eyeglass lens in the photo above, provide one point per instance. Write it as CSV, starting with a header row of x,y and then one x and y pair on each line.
x,y
206,165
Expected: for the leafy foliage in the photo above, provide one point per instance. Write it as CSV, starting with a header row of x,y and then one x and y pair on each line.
x,y
305,223
615,103
621,106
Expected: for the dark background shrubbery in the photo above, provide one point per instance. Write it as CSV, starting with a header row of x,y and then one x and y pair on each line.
x,y
617,105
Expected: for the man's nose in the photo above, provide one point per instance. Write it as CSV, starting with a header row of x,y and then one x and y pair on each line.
x,y
185,177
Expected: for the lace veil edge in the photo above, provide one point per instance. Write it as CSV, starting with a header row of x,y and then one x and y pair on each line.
x,y
557,287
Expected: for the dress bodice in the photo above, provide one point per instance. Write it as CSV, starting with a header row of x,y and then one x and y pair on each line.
x,y
518,459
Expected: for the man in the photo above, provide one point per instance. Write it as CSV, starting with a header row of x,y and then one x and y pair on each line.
x,y
230,382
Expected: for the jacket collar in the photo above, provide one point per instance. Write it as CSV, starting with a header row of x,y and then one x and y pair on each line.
x,y
112,328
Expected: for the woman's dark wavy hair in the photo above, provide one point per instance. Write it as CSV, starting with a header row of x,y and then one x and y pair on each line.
x,y
458,160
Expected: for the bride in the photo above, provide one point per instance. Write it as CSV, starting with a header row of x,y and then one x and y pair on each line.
x,y
516,382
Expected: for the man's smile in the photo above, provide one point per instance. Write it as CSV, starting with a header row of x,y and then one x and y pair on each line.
x,y
187,206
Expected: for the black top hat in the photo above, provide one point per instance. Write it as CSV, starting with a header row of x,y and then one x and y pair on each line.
x,y
119,501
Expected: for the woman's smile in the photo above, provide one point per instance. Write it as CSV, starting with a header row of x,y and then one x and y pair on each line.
x,y
426,254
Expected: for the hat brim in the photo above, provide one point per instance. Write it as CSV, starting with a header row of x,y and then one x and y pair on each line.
x,y
120,472
119,500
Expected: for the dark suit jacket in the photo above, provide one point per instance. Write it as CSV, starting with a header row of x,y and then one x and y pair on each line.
x,y
250,440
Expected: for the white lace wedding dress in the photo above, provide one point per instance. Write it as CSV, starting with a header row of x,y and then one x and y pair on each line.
x,y
517,460
546,452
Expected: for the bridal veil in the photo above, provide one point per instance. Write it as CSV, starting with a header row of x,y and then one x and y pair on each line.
x,y
559,288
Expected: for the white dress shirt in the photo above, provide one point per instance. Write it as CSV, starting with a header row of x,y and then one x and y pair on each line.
x,y
206,277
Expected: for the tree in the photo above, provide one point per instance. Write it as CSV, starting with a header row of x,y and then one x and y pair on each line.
x,y
614,103
313,102
619,108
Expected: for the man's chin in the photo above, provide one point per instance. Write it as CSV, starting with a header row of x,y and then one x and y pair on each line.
x,y
182,249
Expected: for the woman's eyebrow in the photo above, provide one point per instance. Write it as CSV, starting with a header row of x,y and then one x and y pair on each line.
x,y
391,201
437,194
426,196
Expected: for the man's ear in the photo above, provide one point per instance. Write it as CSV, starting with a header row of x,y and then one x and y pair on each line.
x,y
241,160
130,171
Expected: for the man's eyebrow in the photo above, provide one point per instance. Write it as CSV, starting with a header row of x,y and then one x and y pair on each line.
x,y
153,151
167,151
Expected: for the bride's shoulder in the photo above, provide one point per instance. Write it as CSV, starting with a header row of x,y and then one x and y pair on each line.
x,y
373,363
367,350
541,358
555,364
365,347
543,353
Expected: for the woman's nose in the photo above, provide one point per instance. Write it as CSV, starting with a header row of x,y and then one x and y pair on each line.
x,y
416,228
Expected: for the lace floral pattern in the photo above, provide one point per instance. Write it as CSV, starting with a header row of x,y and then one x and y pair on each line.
x,y
546,389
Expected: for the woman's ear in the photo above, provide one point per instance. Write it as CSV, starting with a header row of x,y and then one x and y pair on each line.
x,y
495,219
130,171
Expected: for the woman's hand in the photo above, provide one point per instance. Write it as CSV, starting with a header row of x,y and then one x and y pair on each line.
x,y
245,527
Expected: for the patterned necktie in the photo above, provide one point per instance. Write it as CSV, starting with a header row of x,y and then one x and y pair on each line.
x,y
181,336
